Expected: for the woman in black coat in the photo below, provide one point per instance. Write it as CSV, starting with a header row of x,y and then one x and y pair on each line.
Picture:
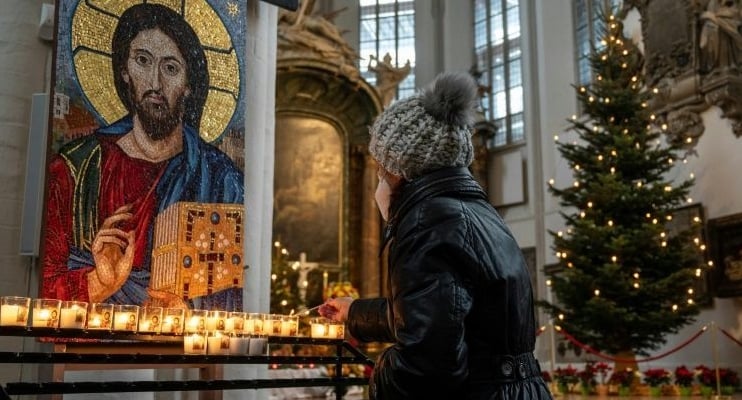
x,y
460,310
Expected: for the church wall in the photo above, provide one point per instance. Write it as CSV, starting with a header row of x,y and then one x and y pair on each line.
x,y
22,68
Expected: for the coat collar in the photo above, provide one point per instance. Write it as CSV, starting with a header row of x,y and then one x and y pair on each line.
x,y
455,182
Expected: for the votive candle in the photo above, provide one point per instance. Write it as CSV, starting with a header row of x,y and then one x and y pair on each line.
x,y
125,317
196,321
100,316
172,321
14,310
254,324
73,314
46,313
272,325
326,329
238,344
216,321
217,343
194,343
289,325
258,345
150,319
235,322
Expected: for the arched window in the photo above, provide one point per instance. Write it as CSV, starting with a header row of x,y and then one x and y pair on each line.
x,y
388,26
498,50
587,32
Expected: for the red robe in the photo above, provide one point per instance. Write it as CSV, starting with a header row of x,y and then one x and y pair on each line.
x,y
124,180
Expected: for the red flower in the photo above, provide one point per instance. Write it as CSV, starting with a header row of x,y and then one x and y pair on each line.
x,y
587,375
546,376
566,376
707,376
683,376
656,376
601,369
622,378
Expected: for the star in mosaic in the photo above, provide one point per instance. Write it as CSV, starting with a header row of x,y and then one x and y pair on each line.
x,y
232,9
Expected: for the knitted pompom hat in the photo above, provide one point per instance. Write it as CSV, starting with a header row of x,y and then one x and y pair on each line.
x,y
428,130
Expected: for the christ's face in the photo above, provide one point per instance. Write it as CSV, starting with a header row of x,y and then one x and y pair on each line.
x,y
158,82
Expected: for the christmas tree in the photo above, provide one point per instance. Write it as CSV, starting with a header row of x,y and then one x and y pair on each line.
x,y
285,298
626,281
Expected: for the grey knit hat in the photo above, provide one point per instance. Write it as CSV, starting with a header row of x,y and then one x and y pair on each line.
x,y
428,130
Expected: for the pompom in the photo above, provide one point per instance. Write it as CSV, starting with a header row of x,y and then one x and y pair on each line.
x,y
451,99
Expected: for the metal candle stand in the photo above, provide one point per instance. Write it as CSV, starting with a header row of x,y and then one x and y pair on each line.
x,y
354,356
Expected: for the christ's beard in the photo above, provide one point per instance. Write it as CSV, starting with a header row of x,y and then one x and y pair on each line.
x,y
159,120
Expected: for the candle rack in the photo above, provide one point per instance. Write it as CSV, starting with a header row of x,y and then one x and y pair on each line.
x,y
345,354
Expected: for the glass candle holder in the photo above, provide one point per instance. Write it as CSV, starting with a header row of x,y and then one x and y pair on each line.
x,y
45,313
14,310
254,324
289,325
235,322
172,321
194,343
150,319
323,328
73,314
217,343
125,317
258,345
196,321
238,344
272,324
100,316
216,321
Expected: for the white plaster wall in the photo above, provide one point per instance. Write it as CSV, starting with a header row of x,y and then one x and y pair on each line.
x,y
23,62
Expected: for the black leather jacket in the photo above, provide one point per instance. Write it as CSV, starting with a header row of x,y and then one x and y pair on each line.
x,y
460,311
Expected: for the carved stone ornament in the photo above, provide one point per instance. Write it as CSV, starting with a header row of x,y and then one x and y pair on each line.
x,y
693,50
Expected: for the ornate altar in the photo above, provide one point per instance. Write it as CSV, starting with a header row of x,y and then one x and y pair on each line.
x,y
323,170
197,249
693,51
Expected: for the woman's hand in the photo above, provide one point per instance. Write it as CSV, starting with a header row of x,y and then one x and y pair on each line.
x,y
336,309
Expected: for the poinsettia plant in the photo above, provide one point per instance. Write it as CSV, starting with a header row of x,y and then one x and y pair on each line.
x,y
601,371
656,376
707,376
587,375
683,376
622,377
728,377
566,376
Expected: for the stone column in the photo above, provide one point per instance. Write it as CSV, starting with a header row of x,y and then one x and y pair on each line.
x,y
262,22
370,232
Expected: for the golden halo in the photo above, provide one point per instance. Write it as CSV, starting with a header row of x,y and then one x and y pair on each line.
x,y
93,23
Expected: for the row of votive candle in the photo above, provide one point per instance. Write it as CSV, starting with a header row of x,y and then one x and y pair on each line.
x,y
52,313
224,344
